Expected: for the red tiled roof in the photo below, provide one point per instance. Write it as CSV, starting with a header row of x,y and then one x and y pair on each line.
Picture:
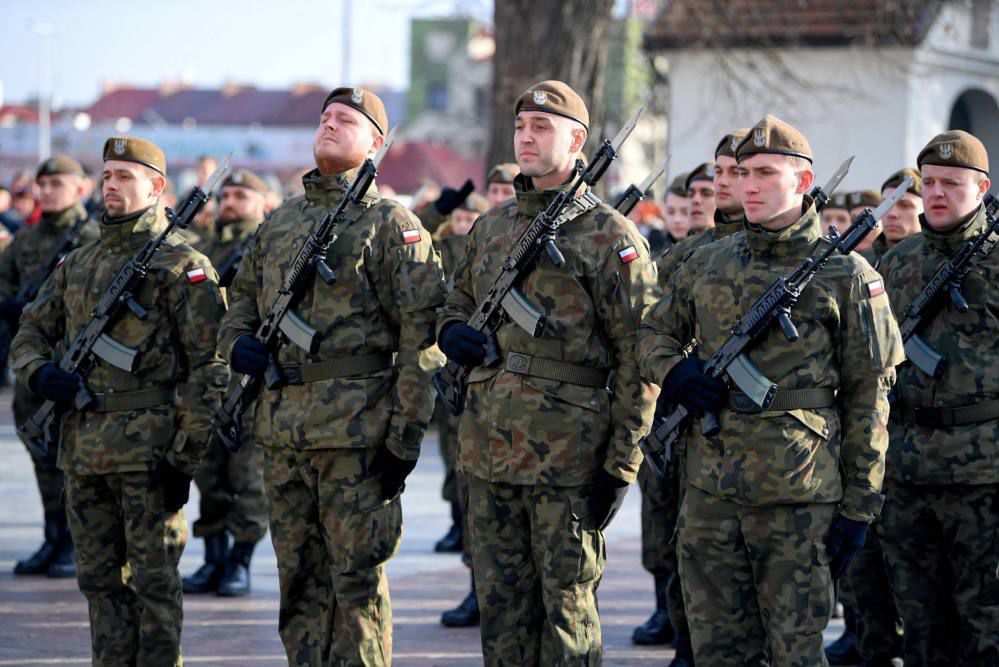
x,y
22,113
123,102
762,23
407,165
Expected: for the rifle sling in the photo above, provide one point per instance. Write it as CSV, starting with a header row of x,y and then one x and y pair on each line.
x,y
943,417
124,401
296,374
812,398
558,371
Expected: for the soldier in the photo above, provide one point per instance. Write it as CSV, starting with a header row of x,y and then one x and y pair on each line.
x,y
61,195
701,193
231,484
874,244
768,519
549,449
344,431
128,460
499,183
902,221
676,212
942,515
836,213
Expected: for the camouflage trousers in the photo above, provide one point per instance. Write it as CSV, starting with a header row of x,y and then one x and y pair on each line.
x,y
127,550
538,560
755,578
942,544
48,476
232,493
332,533
867,590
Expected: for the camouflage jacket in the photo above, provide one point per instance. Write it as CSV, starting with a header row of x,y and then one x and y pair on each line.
x,y
848,341
219,246
874,254
389,283
176,345
969,342
431,218
670,260
522,429
452,249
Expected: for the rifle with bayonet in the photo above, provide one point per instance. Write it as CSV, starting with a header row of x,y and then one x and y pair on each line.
x,y
636,193
503,298
92,343
280,324
730,361
947,279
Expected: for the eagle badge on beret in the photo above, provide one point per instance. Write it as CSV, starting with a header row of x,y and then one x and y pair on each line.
x,y
855,198
760,137
709,171
357,96
540,97
119,146
735,143
237,178
946,150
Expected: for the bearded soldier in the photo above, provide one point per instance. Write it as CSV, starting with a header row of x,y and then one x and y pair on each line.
x,y
343,430
129,457
776,503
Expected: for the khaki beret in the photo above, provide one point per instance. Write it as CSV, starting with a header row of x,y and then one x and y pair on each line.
x,y
839,200
678,186
364,101
475,203
244,178
896,179
703,172
865,198
59,164
134,149
955,148
503,173
730,142
554,97
772,135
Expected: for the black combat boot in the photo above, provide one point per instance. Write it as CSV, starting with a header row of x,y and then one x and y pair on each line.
x,y
207,577
843,651
452,542
236,579
684,652
63,565
38,562
658,629
466,614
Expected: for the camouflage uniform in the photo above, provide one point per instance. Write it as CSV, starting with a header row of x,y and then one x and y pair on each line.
x,y
113,496
332,530
762,493
941,520
532,446
680,250
32,246
877,250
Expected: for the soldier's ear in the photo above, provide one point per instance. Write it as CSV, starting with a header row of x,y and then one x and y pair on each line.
x,y
983,187
805,179
376,143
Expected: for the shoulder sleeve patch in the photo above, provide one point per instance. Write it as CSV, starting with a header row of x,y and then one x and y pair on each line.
x,y
627,255
411,236
874,288
196,276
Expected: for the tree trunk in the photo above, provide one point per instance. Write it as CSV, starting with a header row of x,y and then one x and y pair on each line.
x,y
547,39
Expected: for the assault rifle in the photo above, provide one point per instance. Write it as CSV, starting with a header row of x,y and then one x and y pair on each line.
x,y
230,265
730,360
636,193
947,278
503,298
92,342
281,324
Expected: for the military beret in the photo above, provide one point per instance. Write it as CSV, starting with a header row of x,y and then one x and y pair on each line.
x,y
730,142
554,97
678,186
475,203
896,179
364,101
955,148
865,198
839,200
503,173
703,172
772,135
59,164
134,149
244,178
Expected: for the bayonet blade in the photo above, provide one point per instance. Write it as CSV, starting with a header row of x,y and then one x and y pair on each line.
x,y
886,205
217,175
626,130
838,176
383,151
654,175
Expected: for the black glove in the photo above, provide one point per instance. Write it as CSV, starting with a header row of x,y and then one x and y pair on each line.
x,y
55,384
249,356
845,539
176,486
606,497
393,472
451,199
10,311
463,344
687,385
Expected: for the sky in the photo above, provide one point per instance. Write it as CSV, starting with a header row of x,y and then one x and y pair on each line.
x,y
267,43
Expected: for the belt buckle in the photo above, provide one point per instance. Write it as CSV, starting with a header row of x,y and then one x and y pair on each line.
x,y
518,363
932,417
292,374
742,403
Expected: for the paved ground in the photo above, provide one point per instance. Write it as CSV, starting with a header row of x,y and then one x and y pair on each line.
x,y
44,622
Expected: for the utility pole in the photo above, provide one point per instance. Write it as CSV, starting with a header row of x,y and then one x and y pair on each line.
x,y
44,31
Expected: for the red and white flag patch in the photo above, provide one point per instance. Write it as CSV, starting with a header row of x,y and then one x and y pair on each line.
x,y
61,260
196,276
410,235
629,254
875,288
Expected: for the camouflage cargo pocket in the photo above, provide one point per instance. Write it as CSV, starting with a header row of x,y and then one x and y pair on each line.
x,y
365,529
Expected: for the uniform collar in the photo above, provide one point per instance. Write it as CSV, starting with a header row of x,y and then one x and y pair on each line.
x,y
327,191
531,202
56,222
795,240
130,232
948,242
235,230
726,226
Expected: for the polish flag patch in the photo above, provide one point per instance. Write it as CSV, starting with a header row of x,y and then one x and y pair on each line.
x,y
61,260
629,254
410,235
875,288
196,276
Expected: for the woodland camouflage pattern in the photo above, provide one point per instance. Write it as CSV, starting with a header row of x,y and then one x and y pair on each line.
x,y
668,262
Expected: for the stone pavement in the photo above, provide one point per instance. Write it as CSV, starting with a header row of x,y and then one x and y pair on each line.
x,y
44,621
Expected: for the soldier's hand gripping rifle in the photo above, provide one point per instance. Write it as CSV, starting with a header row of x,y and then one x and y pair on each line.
x,y
730,360
92,343
280,323
502,297
636,193
947,279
